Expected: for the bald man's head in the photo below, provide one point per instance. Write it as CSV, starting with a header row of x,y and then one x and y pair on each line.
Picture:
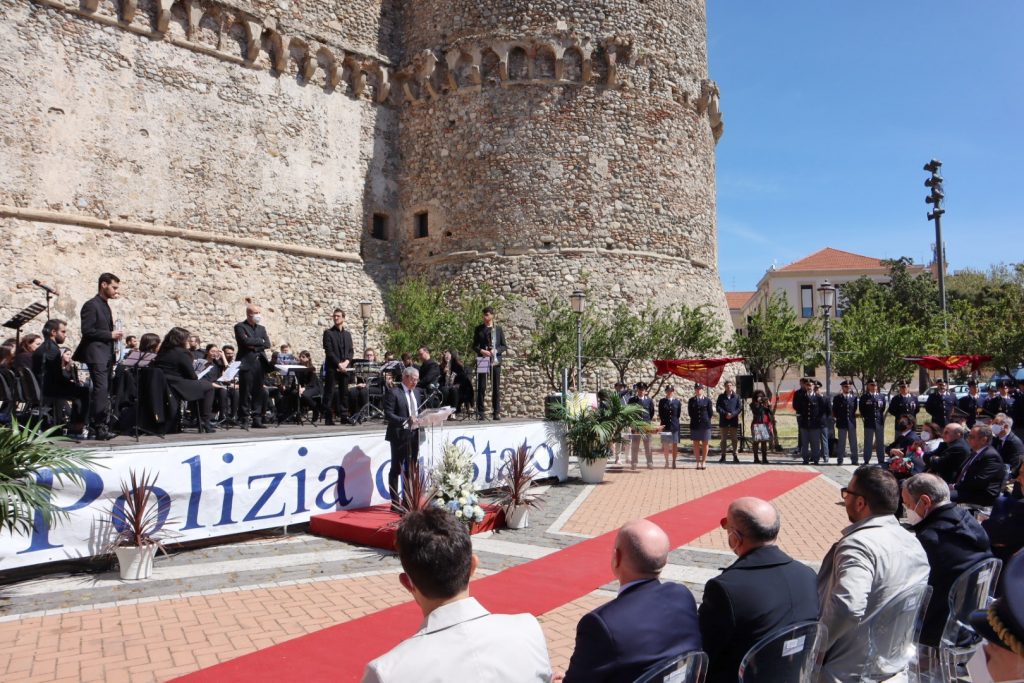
x,y
642,548
757,520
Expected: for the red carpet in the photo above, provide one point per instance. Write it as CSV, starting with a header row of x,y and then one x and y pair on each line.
x,y
375,526
340,653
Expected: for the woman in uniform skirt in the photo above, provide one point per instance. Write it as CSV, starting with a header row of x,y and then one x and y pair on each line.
x,y
700,409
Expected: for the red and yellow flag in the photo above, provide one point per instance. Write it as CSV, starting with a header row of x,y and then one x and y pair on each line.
x,y
701,370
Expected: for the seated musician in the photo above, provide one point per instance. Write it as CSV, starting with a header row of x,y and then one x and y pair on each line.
x,y
57,375
460,387
307,385
149,343
176,363
29,343
225,398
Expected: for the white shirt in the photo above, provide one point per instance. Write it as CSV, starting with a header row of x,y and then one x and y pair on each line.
x,y
462,641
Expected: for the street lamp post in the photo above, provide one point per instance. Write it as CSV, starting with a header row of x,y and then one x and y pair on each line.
x,y
364,313
828,300
577,300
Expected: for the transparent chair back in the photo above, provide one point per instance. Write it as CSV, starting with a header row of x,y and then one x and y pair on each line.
x,y
971,591
691,667
893,632
791,654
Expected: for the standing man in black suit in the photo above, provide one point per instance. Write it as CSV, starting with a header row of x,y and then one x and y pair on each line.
x,y
97,350
940,403
648,621
981,477
401,406
340,353
252,341
764,590
728,407
430,375
489,342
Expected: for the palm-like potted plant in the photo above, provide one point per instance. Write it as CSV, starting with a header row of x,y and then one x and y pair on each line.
x,y
139,525
516,480
590,433
26,450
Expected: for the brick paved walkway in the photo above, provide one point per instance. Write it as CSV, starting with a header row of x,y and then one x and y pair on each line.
x,y
167,633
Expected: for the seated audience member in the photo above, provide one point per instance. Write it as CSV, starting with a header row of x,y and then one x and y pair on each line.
x,y
905,437
764,590
29,343
946,460
875,560
1005,526
459,640
1007,444
648,621
981,477
952,538
176,363
931,436
1002,626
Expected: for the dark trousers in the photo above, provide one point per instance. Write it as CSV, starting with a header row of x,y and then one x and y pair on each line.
x,y
337,393
403,451
77,397
99,398
250,391
481,390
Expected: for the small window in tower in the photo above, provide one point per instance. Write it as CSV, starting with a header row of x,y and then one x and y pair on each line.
x,y
379,229
422,224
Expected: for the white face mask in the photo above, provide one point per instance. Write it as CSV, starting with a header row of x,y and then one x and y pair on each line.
x,y
997,430
912,515
926,435
257,318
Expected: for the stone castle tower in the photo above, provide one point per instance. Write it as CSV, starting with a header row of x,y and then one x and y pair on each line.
x,y
308,152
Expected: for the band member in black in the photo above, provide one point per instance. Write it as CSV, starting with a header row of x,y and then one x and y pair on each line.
x,y
252,340
58,380
430,376
176,362
97,350
489,342
400,404
339,354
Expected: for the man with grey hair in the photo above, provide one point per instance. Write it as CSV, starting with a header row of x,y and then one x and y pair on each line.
x,y
981,478
401,406
648,621
764,590
1007,444
953,540
946,460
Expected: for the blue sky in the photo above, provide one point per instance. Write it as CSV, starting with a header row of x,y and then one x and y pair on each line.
x,y
831,109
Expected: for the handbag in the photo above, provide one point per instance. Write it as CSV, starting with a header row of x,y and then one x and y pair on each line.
x,y
762,432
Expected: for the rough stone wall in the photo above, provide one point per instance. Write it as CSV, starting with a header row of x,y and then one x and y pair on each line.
x,y
236,164
551,146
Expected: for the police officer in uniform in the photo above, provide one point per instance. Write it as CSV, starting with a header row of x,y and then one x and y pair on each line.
x,y
971,403
844,412
940,404
903,403
872,412
995,403
813,412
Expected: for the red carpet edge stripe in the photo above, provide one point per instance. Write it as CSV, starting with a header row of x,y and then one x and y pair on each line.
x,y
340,653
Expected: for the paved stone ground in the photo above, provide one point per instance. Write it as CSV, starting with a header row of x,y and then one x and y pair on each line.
x,y
211,604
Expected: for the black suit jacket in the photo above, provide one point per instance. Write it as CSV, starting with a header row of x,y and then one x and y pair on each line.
x,y
644,624
49,371
980,479
760,592
179,374
430,373
947,459
396,412
1011,450
482,340
97,345
252,341
902,442
338,347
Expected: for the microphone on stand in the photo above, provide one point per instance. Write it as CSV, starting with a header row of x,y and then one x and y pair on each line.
x,y
49,289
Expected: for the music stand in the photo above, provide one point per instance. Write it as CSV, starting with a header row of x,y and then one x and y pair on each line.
x,y
21,318
291,376
131,364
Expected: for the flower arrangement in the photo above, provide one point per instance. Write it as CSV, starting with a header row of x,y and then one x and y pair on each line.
x,y
455,490
901,466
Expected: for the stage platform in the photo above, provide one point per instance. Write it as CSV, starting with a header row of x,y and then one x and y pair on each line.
x,y
376,526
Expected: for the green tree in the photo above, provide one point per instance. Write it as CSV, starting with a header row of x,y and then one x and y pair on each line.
x,y
777,342
917,295
552,344
872,338
421,314
992,324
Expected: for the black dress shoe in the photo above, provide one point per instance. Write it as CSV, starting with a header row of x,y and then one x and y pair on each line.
x,y
208,427
497,418
258,424
103,434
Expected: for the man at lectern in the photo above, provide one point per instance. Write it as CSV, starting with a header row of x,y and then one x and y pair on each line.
x,y
402,403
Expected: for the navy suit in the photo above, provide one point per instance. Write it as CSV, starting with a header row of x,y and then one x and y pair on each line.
x,y
647,622
405,443
980,479
1011,450
760,592
947,459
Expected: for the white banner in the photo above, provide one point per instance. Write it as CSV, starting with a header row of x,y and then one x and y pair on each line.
x,y
224,488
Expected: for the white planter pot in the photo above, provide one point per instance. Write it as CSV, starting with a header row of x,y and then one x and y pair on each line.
x,y
135,562
592,471
517,516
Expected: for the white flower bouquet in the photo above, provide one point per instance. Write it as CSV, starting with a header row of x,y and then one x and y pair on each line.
x,y
456,492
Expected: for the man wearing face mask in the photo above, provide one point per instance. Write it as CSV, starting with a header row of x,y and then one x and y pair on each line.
x,y
952,538
904,437
1008,444
252,340
737,610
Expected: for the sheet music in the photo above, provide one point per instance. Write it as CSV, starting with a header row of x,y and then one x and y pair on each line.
x,y
285,369
138,359
232,372
204,372
483,365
